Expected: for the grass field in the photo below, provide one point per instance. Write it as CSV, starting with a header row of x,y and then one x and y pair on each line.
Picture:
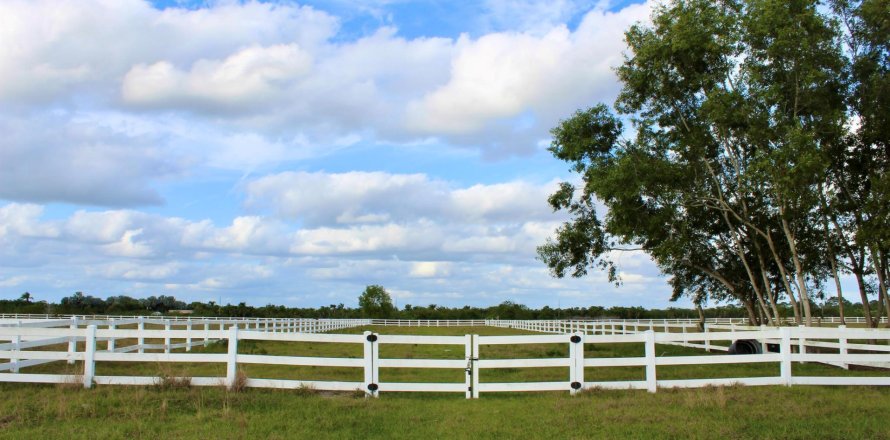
x,y
52,411
34,411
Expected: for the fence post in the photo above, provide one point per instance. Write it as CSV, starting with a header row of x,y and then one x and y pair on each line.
x,y
140,341
89,357
206,331
785,368
707,340
651,383
842,341
801,343
72,340
763,347
468,353
111,343
370,352
166,336
576,368
476,370
232,361
188,338
16,346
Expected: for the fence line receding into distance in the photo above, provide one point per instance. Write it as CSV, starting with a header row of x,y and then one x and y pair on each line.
x,y
34,341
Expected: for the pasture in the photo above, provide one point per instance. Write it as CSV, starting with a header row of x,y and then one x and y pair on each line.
x,y
58,411
173,409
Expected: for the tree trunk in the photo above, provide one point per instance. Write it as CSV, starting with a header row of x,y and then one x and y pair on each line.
x,y
784,274
801,282
857,266
880,267
863,296
737,247
749,306
840,293
832,258
766,285
701,316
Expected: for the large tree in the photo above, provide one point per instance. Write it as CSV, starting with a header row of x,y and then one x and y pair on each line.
x,y
375,302
740,110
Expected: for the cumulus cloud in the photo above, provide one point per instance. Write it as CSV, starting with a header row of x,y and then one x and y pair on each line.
x,y
428,259
533,79
280,70
104,102
46,158
244,80
62,47
319,198
430,269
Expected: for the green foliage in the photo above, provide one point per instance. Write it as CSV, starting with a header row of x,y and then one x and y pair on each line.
x,y
375,302
742,150
504,310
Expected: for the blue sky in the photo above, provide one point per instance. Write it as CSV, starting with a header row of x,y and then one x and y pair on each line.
x,y
293,153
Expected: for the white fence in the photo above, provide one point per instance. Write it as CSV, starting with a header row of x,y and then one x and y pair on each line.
x,y
828,320
199,332
47,334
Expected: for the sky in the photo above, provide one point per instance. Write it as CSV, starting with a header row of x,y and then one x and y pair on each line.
x,y
294,153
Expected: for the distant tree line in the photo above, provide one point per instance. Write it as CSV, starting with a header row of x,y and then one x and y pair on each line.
x,y
82,304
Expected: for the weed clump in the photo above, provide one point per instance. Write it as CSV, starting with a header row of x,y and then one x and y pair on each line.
x,y
305,390
168,382
71,382
240,383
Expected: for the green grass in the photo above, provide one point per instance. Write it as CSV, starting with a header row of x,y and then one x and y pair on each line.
x,y
175,411
36,411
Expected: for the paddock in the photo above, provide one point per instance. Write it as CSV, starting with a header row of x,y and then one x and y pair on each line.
x,y
469,357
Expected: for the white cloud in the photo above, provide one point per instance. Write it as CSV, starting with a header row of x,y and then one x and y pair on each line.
x,y
13,281
247,79
279,71
125,270
430,258
376,198
102,102
23,220
534,79
65,47
430,269
51,157
127,247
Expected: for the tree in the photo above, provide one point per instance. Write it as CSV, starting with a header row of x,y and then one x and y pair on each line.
x,y
739,110
80,303
26,298
375,302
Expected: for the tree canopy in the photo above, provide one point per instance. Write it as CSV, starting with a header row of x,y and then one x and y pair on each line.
x,y
754,165
375,302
